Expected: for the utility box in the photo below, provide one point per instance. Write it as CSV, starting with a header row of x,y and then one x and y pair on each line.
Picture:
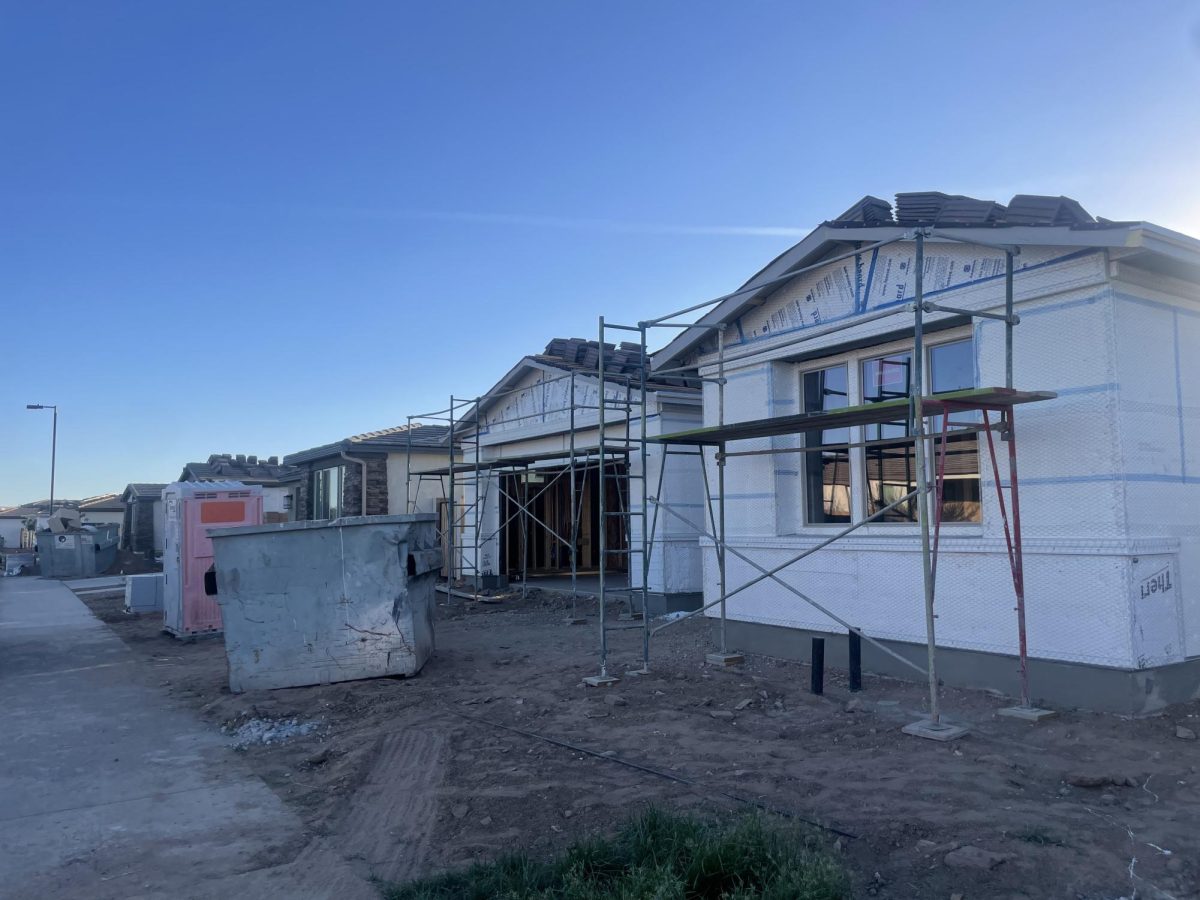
x,y
144,593
325,601
80,553
190,510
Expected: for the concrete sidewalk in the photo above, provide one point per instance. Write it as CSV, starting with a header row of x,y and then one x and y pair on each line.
x,y
108,792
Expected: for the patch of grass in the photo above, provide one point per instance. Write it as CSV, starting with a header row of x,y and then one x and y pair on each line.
x,y
657,856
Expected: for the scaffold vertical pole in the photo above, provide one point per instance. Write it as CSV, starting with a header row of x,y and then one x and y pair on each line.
x,y
1008,319
574,529
603,677
450,512
479,503
646,536
408,501
523,493
1018,563
723,656
916,388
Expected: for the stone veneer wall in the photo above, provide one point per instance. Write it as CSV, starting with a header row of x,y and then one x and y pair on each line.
x,y
377,489
143,525
301,508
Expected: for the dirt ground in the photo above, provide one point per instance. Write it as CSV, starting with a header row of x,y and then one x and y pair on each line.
x,y
411,776
130,563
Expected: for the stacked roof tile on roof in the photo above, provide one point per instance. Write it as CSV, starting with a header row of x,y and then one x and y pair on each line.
x,y
247,469
1032,209
581,355
868,211
937,208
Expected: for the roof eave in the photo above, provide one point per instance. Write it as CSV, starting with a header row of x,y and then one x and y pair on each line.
x,y
809,251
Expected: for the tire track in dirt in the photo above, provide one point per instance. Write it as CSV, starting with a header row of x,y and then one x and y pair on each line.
x,y
390,818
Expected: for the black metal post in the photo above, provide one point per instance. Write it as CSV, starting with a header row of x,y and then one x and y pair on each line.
x,y
855,661
818,665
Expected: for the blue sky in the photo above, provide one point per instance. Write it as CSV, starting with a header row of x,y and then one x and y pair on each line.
x,y
257,227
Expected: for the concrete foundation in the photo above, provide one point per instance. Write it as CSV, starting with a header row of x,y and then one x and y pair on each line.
x,y
660,604
1031,714
942,731
600,680
1052,684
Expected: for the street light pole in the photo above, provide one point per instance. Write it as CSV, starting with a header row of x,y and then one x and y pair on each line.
x,y
53,446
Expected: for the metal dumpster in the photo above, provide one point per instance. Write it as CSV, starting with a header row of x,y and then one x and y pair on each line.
x,y
324,601
78,553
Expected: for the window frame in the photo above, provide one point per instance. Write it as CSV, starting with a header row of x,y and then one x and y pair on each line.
x,y
326,473
851,392
854,360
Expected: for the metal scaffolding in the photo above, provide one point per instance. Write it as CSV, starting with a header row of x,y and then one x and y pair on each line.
x,y
916,410
469,479
620,455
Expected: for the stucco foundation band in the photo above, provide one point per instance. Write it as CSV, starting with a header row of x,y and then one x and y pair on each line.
x,y
1062,685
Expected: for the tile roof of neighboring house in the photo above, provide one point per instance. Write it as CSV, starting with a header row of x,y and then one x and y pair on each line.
x,y
246,469
142,492
394,440
23,511
102,503
35,508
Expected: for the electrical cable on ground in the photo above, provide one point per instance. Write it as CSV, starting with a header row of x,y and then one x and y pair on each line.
x,y
670,776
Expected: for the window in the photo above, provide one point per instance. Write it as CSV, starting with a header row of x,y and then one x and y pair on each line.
x,y
885,469
891,468
826,474
952,368
327,492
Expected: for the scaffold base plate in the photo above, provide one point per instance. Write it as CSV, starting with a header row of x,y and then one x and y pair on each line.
x,y
1032,714
630,617
724,659
939,732
600,680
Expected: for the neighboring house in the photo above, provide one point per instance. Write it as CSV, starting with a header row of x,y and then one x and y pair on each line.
x,y
1109,469
331,480
517,472
278,481
105,509
12,525
13,518
143,525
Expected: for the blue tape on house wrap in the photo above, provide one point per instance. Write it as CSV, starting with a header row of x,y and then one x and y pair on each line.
x,y
862,306
937,292
1150,477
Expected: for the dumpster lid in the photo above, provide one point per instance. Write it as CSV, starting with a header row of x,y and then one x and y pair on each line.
x,y
343,522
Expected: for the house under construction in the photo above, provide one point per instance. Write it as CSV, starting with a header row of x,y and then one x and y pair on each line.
x,y
542,489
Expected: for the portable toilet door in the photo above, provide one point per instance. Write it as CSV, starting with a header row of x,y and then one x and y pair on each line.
x,y
188,609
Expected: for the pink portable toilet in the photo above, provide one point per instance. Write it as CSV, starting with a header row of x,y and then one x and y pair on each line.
x,y
190,509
